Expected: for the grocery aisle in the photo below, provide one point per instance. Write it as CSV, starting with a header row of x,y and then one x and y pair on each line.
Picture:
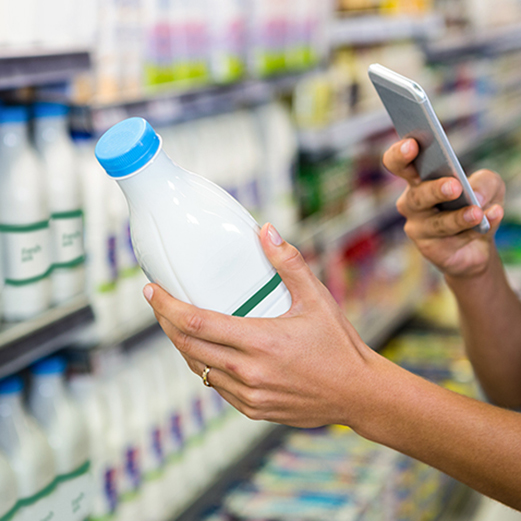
x,y
100,418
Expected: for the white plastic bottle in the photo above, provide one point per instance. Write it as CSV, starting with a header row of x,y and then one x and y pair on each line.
x,y
190,236
56,149
54,408
9,507
103,447
24,221
29,455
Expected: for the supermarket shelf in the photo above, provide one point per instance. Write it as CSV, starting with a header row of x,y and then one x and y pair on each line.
x,y
368,30
25,342
39,67
483,43
169,104
243,468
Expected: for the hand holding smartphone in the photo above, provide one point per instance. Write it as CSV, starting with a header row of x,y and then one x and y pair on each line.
x,y
413,117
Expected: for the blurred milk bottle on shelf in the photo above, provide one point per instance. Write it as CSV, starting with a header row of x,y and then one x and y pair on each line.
x,y
56,149
189,235
227,36
24,220
103,447
125,425
100,240
29,454
54,408
146,405
9,506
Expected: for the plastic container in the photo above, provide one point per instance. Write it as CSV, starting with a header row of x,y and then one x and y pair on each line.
x,y
103,447
9,507
56,149
24,221
29,455
54,408
189,235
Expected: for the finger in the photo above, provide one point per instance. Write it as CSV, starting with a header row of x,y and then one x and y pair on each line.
x,y
215,377
428,194
398,160
201,323
488,187
495,215
288,262
208,353
445,224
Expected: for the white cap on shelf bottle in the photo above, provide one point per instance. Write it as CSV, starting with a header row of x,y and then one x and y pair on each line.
x,y
29,454
54,408
24,220
52,140
189,235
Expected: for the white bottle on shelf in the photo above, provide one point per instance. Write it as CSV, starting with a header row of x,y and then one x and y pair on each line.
x,y
24,221
20,28
29,455
100,242
103,447
56,149
54,408
9,506
222,265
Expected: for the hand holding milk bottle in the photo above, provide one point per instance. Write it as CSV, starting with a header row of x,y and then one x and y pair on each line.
x,y
190,236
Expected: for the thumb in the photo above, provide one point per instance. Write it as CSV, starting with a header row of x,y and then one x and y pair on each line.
x,y
288,261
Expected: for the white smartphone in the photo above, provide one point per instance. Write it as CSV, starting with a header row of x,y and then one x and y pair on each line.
x,y
413,117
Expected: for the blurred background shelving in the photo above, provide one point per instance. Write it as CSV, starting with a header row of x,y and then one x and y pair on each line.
x,y
271,100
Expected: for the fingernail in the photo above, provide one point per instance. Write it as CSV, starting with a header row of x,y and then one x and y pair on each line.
x,y
494,213
148,291
480,198
447,189
406,148
275,238
469,215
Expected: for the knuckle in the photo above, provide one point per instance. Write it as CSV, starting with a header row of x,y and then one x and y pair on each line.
x,y
253,414
409,229
415,199
251,397
192,323
294,260
184,343
251,377
401,205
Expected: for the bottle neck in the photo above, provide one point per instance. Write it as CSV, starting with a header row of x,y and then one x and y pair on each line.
x,y
49,386
49,130
13,136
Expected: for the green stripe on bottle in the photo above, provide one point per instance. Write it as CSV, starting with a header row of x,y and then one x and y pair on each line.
x,y
74,214
25,282
11,513
80,471
47,491
254,301
71,264
23,228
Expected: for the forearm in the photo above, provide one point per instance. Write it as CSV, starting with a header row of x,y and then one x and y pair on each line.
x,y
476,443
491,324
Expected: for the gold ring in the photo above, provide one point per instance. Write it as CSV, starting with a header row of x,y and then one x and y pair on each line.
x,y
206,371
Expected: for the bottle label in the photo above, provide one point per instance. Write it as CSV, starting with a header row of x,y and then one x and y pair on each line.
x,y
75,493
41,506
26,253
67,239
131,474
156,457
10,515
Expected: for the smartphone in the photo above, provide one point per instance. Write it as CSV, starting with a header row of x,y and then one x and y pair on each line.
x,y
413,117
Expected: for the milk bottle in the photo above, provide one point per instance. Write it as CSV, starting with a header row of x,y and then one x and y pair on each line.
x,y
103,446
9,508
66,431
63,190
190,236
24,221
29,455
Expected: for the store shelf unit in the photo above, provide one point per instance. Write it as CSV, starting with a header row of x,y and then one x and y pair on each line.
x,y
368,30
33,67
23,343
169,105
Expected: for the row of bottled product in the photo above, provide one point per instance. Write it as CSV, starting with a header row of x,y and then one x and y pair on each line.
x,y
135,437
63,221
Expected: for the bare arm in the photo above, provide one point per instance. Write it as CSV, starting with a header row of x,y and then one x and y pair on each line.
x,y
310,368
490,311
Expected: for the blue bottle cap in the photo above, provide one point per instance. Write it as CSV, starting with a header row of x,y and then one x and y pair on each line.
x,y
49,366
45,109
14,114
11,385
127,147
